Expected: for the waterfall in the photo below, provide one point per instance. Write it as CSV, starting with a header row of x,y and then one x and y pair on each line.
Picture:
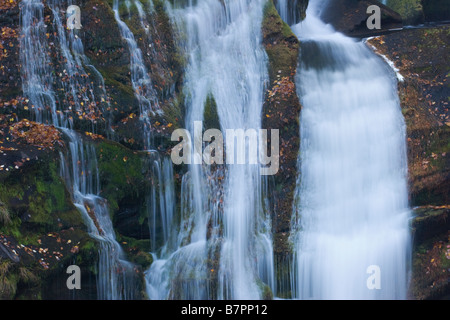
x,y
78,85
223,242
37,79
290,10
351,210
116,279
116,276
140,79
161,203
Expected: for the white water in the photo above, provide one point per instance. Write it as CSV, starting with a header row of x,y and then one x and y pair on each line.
x,y
85,92
288,10
140,79
116,276
226,60
37,79
351,208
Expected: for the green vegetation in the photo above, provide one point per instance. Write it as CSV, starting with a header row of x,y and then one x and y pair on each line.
x,y
39,196
410,10
121,173
210,115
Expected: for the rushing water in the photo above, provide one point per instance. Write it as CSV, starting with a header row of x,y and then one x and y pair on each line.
x,y
140,79
351,209
116,276
37,79
224,247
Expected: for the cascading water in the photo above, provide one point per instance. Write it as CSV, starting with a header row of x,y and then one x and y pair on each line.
x,y
290,10
37,79
116,278
224,247
351,210
77,84
140,79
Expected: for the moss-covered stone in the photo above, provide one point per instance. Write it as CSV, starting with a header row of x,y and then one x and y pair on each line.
x,y
44,235
431,253
38,201
137,250
210,115
122,173
410,10
421,56
281,111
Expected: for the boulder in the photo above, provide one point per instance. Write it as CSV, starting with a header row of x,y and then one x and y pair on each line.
x,y
350,17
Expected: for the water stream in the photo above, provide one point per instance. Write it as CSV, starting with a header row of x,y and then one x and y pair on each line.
x,y
224,248
351,211
351,204
116,276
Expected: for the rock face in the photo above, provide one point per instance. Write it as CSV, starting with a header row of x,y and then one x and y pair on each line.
x,y
350,17
41,231
421,56
281,111
416,12
436,10
410,10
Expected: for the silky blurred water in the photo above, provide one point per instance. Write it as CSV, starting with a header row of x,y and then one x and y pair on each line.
x,y
351,209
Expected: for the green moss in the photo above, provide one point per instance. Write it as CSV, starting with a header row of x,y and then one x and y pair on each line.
x,y
88,255
410,10
137,250
121,172
50,201
118,80
266,292
13,277
37,201
281,44
173,112
5,217
210,115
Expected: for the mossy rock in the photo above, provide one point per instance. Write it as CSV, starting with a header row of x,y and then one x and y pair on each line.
x,y
410,10
282,111
122,173
45,233
137,250
430,222
210,115
38,201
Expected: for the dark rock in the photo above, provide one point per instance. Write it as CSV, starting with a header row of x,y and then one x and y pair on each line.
x,y
127,222
430,222
436,10
421,55
281,110
6,253
350,17
431,254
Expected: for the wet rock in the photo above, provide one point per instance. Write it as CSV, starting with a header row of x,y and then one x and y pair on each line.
x,y
281,111
350,17
421,56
